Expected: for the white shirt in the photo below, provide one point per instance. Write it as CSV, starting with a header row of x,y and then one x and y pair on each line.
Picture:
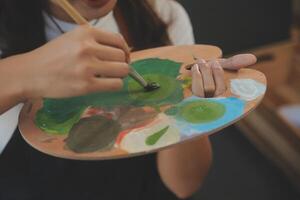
x,y
171,12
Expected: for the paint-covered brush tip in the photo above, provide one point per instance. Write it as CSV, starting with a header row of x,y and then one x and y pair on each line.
x,y
152,86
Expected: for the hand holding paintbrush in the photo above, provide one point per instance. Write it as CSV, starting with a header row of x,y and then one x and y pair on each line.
x,y
75,15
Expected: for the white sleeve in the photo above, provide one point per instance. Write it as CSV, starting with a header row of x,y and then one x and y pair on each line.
x,y
8,124
179,24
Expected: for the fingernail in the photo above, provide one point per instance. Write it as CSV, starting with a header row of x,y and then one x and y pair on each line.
x,y
195,67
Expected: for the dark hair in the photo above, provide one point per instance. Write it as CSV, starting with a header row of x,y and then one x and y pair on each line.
x,y
22,25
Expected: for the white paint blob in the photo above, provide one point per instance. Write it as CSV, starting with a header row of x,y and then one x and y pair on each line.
x,y
247,89
135,141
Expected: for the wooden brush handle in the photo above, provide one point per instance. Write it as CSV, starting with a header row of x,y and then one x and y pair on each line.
x,y
72,12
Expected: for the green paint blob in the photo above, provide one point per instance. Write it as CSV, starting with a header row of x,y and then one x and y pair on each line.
x,y
93,134
153,139
157,66
170,91
203,111
59,115
56,123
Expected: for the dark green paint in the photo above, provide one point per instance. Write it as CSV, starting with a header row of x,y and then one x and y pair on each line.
x,y
93,134
53,123
152,86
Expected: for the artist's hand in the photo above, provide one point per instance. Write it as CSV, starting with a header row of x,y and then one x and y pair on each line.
x,y
208,77
79,62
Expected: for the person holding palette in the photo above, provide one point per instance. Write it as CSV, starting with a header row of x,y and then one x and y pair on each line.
x,y
44,54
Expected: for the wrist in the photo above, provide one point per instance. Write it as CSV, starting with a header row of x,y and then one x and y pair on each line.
x,y
32,74
10,84
19,77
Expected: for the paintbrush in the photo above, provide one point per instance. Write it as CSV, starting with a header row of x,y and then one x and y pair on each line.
x,y
75,15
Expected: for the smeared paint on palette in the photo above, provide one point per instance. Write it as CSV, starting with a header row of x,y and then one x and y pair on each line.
x,y
133,122
247,89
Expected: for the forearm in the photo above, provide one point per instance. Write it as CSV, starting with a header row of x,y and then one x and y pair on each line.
x,y
184,167
11,86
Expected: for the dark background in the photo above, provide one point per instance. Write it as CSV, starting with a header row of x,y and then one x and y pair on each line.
x,y
239,171
237,25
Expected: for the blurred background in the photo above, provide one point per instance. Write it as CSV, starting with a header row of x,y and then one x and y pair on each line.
x,y
258,158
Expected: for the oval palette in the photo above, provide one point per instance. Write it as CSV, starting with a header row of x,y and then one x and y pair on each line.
x,y
133,122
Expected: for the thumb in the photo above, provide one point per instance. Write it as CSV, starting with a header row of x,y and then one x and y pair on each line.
x,y
238,61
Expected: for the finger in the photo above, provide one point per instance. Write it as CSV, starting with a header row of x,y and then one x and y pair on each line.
x,y
111,39
110,69
239,61
208,81
219,78
105,84
197,82
107,53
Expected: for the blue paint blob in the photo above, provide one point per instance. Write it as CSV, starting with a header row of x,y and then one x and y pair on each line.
x,y
234,109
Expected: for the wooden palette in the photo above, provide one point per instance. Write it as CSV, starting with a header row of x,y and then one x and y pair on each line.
x,y
132,122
